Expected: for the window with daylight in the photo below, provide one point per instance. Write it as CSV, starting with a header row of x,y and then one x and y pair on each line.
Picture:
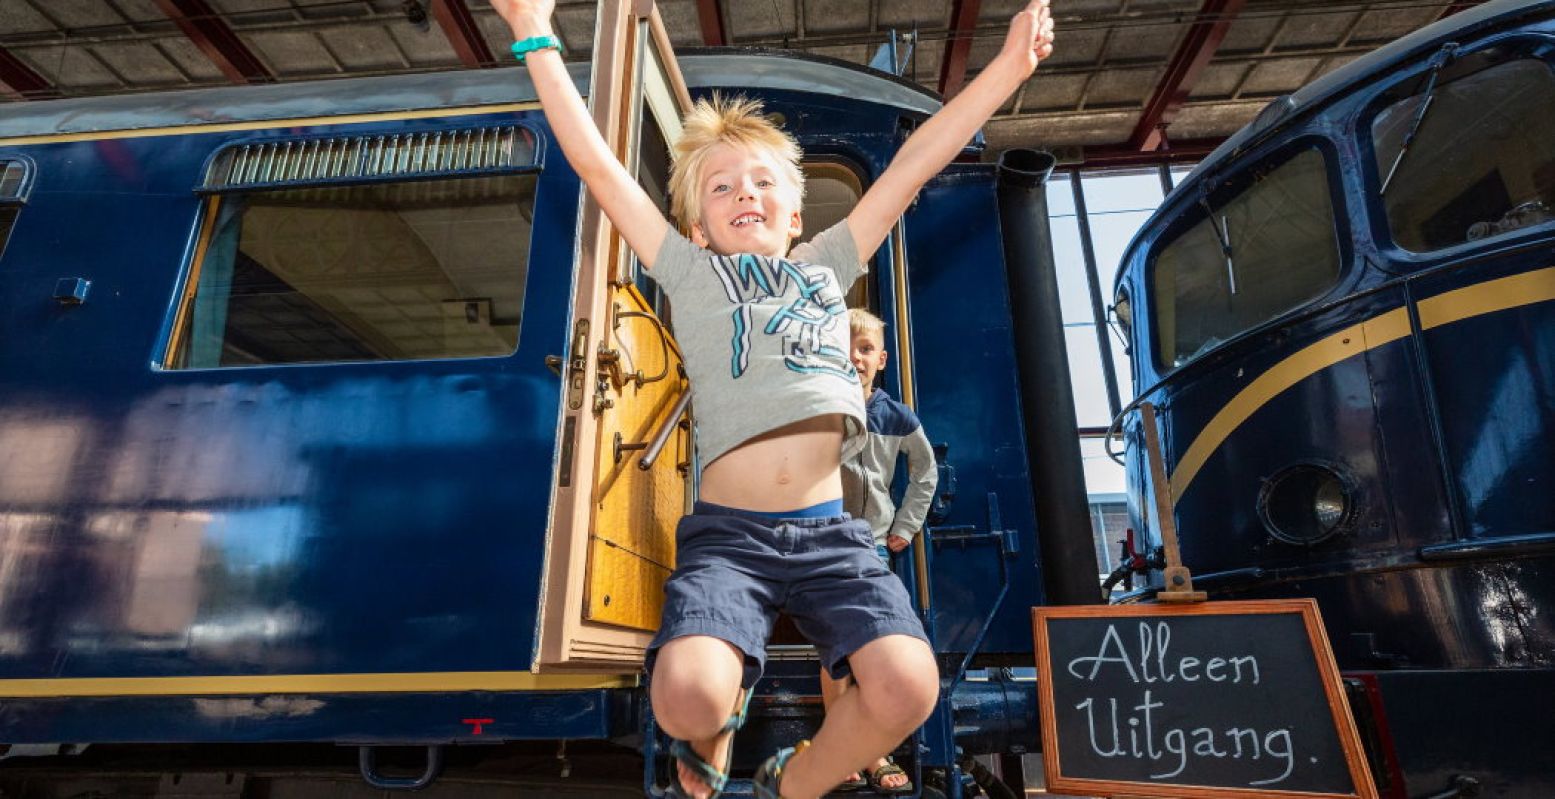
x,y
391,248
1481,163
1266,246
1094,214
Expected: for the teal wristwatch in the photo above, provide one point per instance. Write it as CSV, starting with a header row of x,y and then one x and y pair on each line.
x,y
524,47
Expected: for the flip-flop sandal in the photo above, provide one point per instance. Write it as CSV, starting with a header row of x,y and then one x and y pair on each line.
x,y
770,774
890,768
849,786
715,777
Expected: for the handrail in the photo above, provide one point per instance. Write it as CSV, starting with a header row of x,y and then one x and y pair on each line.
x,y
662,437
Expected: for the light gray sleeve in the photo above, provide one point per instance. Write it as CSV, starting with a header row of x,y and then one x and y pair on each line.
x,y
833,247
674,260
922,479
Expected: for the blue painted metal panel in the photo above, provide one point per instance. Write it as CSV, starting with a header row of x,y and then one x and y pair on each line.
x,y
322,518
1496,403
348,719
968,398
1331,417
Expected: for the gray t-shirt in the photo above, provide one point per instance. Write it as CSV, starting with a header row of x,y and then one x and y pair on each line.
x,y
765,340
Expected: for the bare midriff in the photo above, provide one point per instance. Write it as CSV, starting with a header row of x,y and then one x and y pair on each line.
x,y
790,468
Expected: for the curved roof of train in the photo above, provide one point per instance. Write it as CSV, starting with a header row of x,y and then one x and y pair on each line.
x,y
1285,110
709,68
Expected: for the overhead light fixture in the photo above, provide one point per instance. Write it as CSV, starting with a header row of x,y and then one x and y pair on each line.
x,y
416,14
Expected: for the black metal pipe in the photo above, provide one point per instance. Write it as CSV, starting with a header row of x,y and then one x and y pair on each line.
x,y
1070,573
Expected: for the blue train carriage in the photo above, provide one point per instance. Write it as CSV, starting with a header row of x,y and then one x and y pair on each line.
x,y
333,413
1347,316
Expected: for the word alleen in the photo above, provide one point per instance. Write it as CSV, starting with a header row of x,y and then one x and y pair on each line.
x,y
1138,723
1155,640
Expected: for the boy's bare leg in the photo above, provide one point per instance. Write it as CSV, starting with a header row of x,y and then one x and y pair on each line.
x,y
830,690
694,690
897,686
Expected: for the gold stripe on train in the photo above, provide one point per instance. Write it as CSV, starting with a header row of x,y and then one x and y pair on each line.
x,y
1348,342
1488,297
1470,301
428,682
267,124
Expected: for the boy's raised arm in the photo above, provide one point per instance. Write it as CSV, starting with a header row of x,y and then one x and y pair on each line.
x,y
624,202
933,146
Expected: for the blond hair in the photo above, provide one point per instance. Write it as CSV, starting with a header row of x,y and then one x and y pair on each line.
x,y
735,121
862,321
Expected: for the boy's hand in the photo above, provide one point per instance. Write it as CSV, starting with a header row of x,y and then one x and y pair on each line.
x,y
941,138
896,543
1030,40
526,17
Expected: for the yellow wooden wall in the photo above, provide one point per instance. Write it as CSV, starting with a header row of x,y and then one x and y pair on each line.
x,y
632,539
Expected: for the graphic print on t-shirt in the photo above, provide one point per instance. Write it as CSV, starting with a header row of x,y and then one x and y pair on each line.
x,y
808,323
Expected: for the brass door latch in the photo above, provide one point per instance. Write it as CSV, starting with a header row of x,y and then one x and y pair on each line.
x,y
577,364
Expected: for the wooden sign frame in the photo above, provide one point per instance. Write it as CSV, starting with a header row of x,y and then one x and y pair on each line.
x,y
1328,673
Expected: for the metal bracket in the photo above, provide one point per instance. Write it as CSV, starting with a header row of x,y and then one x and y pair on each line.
x,y
620,447
1461,786
367,764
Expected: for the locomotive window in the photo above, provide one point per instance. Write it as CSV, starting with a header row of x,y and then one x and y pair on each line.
x,y
1260,250
11,174
1481,164
382,271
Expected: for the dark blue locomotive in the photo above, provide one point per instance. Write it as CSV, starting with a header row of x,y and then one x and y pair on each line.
x,y
332,414
1347,316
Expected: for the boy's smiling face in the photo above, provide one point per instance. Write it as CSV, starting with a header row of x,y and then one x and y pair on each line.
x,y
748,205
868,357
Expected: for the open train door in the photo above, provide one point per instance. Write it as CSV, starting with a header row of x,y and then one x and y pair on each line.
x,y
611,543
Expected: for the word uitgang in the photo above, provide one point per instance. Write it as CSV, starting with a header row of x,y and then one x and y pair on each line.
x,y
1233,742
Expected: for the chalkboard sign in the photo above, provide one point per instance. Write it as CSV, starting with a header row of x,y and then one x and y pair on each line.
x,y
1209,699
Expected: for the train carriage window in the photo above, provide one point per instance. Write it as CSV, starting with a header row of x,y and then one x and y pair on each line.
x,y
331,269
831,191
1262,246
1480,162
11,174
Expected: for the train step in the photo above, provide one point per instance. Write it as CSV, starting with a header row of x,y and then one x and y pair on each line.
x,y
741,789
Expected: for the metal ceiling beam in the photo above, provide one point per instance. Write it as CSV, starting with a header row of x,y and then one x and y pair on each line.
x,y
1126,155
958,45
1453,8
458,24
209,32
19,82
713,34
1193,55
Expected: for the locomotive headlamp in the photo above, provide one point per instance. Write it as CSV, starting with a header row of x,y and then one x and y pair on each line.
x,y
1306,504
1123,312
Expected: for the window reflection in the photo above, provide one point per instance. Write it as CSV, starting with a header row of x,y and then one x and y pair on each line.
x,y
1265,249
1481,164
383,271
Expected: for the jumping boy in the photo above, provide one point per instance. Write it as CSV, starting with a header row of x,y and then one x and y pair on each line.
x,y
779,405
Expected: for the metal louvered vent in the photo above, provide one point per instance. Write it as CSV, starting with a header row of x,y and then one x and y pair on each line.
x,y
339,159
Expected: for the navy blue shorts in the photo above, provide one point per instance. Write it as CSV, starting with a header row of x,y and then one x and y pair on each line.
x,y
736,570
